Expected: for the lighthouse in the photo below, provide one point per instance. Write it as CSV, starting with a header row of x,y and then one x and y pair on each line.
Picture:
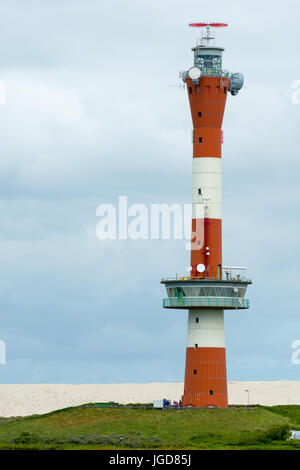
x,y
208,288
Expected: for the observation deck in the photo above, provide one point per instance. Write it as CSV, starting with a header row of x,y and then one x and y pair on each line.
x,y
186,292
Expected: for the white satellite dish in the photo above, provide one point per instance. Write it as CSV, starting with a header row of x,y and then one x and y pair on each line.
x,y
200,268
189,268
235,289
194,73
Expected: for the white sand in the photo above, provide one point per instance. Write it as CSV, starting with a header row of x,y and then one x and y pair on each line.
x,y
23,400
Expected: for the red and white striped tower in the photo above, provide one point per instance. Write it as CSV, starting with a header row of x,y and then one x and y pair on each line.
x,y
204,291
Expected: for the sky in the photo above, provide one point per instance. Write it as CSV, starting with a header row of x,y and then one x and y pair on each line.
x,y
93,111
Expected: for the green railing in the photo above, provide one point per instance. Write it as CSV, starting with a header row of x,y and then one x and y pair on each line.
x,y
221,302
214,72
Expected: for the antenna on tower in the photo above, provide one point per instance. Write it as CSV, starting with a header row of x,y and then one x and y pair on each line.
x,y
206,35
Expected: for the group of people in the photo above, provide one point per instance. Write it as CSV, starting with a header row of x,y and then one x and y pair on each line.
x,y
167,404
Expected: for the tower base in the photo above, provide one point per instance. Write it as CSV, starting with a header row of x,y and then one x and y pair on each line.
x,y
205,381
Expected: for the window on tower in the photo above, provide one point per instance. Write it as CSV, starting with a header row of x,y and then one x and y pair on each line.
x,y
200,140
211,392
196,346
199,191
197,320
190,90
199,113
195,371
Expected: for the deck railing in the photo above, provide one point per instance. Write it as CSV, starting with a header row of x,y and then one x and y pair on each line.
x,y
225,302
190,278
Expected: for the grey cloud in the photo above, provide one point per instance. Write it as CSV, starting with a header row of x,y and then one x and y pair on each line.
x,y
90,114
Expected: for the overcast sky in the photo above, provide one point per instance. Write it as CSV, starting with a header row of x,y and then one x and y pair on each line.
x,y
91,115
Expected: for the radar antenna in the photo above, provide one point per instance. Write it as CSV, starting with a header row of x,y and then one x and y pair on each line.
x,y
207,36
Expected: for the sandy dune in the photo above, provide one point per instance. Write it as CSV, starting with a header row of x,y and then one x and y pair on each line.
x,y
23,400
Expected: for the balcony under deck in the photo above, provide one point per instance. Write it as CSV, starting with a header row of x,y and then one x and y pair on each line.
x,y
198,302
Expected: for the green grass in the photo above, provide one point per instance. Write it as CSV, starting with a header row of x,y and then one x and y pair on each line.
x,y
101,428
292,412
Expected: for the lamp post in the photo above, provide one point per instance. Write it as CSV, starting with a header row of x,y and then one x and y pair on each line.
x,y
248,395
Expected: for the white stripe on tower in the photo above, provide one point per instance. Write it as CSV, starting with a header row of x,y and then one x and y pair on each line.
x,y
205,329
207,177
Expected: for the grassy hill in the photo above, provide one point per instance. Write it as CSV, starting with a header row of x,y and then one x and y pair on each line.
x,y
97,428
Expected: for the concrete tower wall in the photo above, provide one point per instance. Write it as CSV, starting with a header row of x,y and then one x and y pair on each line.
x,y
206,328
207,176
205,370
